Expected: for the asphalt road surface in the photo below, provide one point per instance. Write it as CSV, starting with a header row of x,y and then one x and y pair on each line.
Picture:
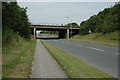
x,y
104,58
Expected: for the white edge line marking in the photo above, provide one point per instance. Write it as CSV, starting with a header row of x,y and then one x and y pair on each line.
x,y
78,45
95,49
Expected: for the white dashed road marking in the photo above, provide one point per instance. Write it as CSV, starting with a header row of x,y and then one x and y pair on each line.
x,y
95,48
78,45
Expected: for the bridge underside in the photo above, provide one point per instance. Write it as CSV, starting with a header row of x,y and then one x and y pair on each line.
x,y
63,33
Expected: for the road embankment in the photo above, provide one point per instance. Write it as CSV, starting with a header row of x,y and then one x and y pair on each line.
x,y
111,39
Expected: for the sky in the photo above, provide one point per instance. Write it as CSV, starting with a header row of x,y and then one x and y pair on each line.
x,y
58,12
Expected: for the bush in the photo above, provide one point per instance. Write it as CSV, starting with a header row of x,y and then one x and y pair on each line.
x,y
10,37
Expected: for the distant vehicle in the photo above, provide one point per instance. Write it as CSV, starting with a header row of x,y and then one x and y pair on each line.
x,y
39,36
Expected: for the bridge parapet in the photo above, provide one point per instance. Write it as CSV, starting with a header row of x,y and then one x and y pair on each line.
x,y
53,26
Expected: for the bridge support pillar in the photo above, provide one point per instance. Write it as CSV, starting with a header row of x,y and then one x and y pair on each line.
x,y
68,34
34,33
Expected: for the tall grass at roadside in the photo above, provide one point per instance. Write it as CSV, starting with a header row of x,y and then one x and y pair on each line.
x,y
9,37
74,67
17,55
17,60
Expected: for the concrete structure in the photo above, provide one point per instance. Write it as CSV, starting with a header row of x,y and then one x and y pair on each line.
x,y
64,31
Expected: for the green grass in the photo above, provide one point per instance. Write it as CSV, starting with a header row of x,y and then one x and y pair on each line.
x,y
17,59
74,67
48,34
111,39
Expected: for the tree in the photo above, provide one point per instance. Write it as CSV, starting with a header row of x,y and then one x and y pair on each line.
x,y
105,21
73,24
14,17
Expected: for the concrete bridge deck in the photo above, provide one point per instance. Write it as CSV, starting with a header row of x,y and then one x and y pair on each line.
x,y
64,31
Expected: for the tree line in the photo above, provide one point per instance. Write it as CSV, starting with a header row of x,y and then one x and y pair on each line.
x,y
14,20
105,21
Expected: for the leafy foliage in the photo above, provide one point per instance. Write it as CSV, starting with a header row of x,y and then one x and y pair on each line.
x,y
72,24
15,20
105,21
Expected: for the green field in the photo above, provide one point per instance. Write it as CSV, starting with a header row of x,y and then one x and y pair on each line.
x,y
74,67
17,59
111,39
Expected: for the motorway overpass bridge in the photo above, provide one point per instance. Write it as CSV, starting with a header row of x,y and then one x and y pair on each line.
x,y
64,31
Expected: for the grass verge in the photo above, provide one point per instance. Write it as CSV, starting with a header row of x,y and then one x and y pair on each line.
x,y
17,59
52,35
111,39
74,67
